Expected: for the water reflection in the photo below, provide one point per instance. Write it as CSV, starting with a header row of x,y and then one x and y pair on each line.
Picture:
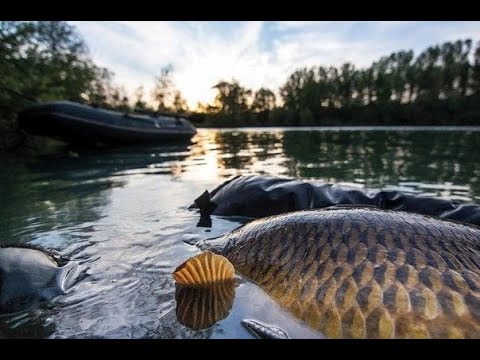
x,y
65,190
440,163
385,158
124,211
23,326
199,308
46,192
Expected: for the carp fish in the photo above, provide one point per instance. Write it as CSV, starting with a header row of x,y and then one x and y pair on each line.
x,y
355,272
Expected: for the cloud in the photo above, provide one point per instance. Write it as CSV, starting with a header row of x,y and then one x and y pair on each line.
x,y
256,53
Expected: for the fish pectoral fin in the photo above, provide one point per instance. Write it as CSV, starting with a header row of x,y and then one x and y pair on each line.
x,y
70,274
264,331
204,270
205,204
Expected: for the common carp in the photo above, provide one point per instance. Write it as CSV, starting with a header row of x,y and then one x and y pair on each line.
x,y
357,272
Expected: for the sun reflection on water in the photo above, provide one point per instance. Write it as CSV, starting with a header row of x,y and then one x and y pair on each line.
x,y
436,163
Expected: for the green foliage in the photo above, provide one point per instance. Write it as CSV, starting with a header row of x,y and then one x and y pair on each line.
x,y
179,103
46,60
42,61
140,105
264,100
476,71
162,91
232,99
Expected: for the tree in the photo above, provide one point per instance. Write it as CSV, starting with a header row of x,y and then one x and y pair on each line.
x,y
429,74
232,98
290,91
163,91
346,82
48,60
100,91
383,80
455,67
45,60
400,64
140,104
179,103
301,90
168,98
465,68
323,88
476,71
118,99
264,100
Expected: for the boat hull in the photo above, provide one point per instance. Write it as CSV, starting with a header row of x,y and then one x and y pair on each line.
x,y
106,127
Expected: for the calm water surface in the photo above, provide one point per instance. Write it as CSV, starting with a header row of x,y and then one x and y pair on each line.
x,y
123,214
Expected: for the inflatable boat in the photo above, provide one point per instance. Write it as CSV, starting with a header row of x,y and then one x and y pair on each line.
x,y
82,124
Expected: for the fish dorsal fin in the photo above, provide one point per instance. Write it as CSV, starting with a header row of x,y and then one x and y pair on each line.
x,y
204,270
352,206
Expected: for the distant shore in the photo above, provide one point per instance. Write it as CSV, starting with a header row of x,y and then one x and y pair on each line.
x,y
461,111
438,86
347,128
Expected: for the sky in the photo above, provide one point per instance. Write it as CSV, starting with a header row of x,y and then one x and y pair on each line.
x,y
257,53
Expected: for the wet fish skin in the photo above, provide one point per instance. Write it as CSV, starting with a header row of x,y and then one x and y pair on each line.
x,y
364,273
29,275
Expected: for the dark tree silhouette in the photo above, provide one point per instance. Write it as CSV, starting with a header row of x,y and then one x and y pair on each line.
x,y
232,98
264,100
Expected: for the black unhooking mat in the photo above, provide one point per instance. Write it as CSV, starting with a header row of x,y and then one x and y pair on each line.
x,y
259,196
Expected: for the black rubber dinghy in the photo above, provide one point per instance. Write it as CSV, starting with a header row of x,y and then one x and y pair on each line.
x,y
82,124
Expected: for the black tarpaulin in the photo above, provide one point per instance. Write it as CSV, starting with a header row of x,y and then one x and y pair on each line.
x,y
259,196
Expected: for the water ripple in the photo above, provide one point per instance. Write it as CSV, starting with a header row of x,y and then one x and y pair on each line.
x,y
123,214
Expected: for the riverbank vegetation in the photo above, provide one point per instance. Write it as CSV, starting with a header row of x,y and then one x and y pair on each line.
x,y
48,60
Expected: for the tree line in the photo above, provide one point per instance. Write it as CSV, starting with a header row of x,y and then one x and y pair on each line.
x,y
439,86
48,60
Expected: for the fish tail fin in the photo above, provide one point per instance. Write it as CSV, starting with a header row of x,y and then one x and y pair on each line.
x,y
204,270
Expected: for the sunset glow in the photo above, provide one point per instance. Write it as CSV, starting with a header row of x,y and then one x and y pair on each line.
x,y
255,53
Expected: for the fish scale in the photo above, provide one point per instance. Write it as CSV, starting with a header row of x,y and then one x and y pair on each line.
x,y
356,273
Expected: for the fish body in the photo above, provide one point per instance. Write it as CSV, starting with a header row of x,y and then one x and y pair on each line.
x,y
364,273
28,276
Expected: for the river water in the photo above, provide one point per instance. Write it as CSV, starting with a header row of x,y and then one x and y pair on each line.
x,y
122,214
